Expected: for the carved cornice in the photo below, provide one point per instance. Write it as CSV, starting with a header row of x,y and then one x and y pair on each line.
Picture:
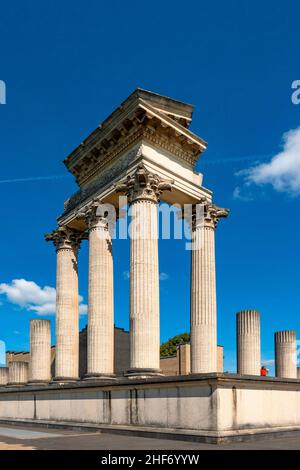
x,y
105,178
207,215
143,121
65,238
144,185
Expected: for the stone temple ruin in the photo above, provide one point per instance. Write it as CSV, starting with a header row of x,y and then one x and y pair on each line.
x,y
144,152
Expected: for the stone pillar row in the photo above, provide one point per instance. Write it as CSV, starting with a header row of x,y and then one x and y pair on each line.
x,y
143,190
248,348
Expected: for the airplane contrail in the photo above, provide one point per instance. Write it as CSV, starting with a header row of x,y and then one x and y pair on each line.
x,y
215,161
34,178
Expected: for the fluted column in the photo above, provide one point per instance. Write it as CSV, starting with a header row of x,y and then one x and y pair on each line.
x,y
100,333
40,351
18,373
3,376
143,190
67,320
285,354
203,288
248,342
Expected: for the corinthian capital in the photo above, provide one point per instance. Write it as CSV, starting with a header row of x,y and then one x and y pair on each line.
x,y
65,238
144,185
207,214
99,214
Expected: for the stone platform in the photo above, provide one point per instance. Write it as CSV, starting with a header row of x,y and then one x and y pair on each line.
x,y
212,408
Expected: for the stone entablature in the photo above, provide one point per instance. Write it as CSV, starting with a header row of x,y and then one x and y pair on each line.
x,y
148,129
160,120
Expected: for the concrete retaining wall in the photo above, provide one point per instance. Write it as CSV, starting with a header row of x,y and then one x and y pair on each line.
x,y
214,404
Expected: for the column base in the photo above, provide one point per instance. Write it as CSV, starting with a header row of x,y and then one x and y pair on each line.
x,y
139,373
97,377
14,384
38,382
65,379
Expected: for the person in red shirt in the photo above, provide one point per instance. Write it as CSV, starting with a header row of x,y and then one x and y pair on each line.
x,y
264,371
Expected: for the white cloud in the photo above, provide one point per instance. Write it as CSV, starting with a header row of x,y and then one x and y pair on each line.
x,y
238,195
283,170
125,275
163,276
30,296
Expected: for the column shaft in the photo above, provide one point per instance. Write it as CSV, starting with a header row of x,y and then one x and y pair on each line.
x,y
248,342
285,354
203,301
144,287
101,303
40,351
67,321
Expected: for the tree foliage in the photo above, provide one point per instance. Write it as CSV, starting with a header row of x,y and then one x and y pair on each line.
x,y
169,348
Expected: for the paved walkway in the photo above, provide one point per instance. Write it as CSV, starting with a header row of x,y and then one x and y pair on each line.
x,y
12,437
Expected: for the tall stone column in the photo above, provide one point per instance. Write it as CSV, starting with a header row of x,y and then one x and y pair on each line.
x,y
285,354
100,333
67,243
3,376
40,351
143,190
203,288
18,373
248,342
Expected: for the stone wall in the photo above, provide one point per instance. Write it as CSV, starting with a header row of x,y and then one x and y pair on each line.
x,y
170,366
214,407
181,363
122,353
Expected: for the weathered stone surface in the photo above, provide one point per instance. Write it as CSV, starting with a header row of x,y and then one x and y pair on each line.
x,y
100,347
40,351
67,242
18,373
285,354
3,375
219,405
203,290
248,342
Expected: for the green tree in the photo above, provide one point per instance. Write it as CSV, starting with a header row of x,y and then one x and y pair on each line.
x,y
169,348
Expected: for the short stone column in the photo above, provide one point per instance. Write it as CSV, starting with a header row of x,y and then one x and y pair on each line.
x,y
220,358
100,332
3,376
40,351
67,243
203,288
18,373
248,342
143,190
285,354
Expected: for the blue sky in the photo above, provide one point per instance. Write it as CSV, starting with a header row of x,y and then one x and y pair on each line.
x,y
68,65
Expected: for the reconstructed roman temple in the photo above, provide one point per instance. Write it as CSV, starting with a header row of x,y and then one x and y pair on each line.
x,y
144,153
